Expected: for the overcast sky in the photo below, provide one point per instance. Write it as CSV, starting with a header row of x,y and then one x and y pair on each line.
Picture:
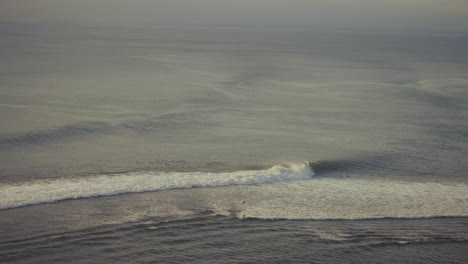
x,y
366,14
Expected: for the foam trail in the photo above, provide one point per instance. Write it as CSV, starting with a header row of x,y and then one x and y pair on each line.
x,y
47,191
352,198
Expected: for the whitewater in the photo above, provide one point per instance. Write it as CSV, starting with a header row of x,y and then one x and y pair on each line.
x,y
47,191
269,193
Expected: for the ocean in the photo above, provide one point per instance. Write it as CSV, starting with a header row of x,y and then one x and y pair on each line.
x,y
216,144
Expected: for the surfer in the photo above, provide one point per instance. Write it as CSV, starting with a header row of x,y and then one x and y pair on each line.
x,y
243,216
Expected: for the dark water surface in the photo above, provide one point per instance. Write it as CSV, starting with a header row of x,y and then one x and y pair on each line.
x,y
150,145
220,239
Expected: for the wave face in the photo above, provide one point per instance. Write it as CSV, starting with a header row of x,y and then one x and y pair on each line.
x,y
47,191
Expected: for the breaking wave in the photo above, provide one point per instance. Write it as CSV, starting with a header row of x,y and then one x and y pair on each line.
x,y
48,191
252,194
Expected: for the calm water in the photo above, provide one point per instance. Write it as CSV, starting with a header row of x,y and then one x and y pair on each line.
x,y
232,145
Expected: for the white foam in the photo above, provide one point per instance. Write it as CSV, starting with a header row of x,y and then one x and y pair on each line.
x,y
338,198
47,191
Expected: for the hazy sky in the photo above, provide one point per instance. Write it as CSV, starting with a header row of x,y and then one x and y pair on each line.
x,y
367,14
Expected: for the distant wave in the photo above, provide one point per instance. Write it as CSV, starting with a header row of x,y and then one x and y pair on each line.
x,y
48,191
55,135
86,130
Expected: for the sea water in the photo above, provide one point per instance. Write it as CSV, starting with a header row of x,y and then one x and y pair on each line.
x,y
232,145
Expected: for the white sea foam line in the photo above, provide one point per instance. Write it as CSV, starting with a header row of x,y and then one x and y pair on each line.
x,y
38,192
358,199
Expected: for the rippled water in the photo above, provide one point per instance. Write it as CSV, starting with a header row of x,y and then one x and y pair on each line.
x,y
215,239
232,145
